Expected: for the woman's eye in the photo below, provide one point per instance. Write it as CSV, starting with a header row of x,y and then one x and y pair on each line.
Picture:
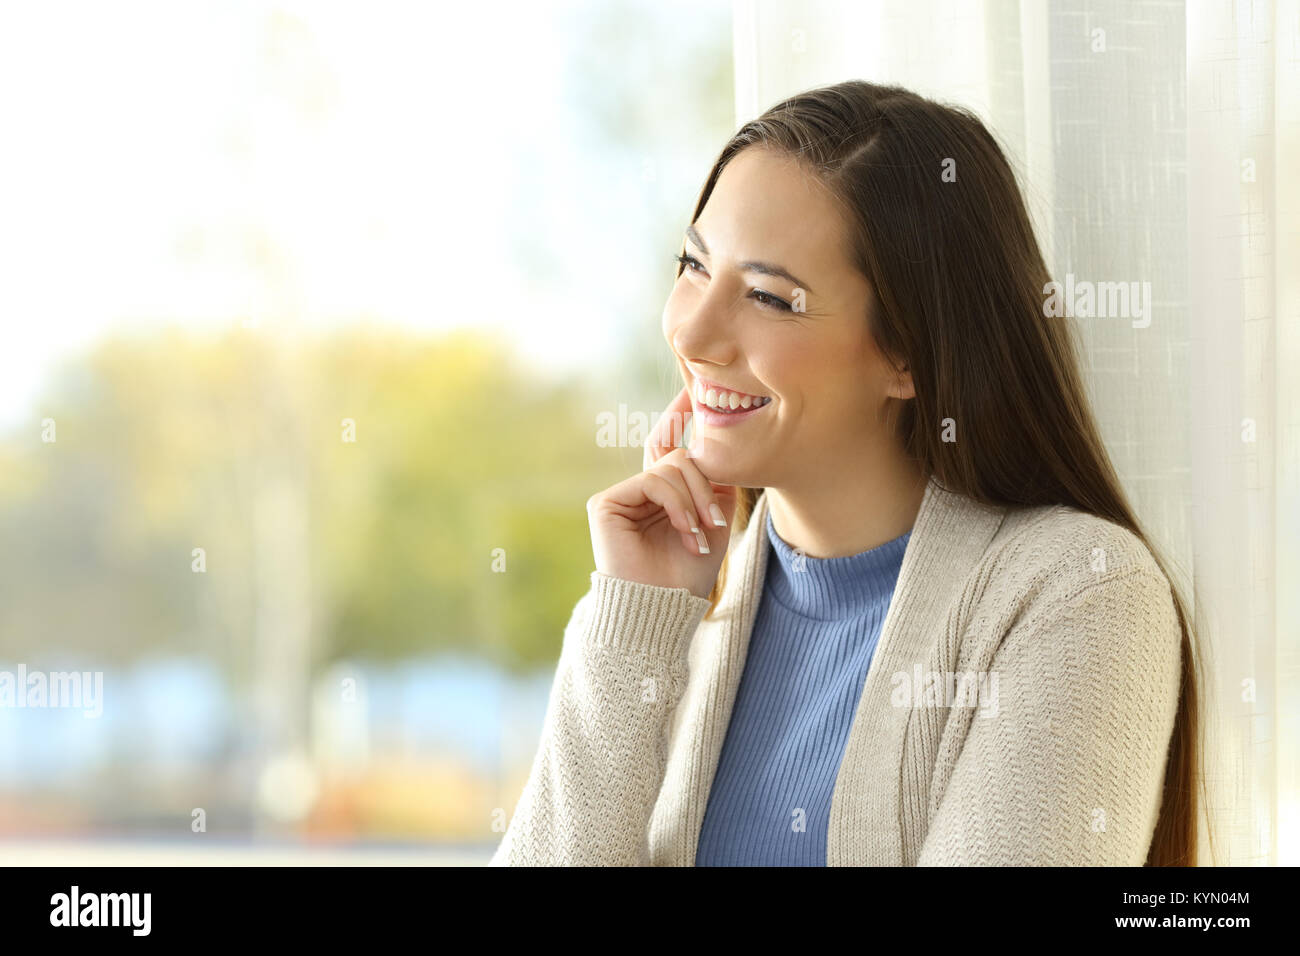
x,y
690,262
766,299
771,301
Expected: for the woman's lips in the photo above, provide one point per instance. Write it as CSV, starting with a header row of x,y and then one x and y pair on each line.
x,y
703,385
712,417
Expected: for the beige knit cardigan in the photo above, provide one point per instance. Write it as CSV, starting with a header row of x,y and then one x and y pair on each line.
x,y
1063,619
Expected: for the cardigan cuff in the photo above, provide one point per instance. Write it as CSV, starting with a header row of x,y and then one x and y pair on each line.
x,y
642,618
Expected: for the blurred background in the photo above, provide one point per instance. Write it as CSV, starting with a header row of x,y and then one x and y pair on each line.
x,y
323,320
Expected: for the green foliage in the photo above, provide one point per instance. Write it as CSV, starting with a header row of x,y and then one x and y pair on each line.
x,y
383,546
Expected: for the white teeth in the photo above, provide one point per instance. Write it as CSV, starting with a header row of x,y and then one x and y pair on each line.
x,y
725,401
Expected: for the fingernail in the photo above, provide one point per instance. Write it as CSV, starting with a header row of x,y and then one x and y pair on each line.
x,y
704,542
694,530
718,517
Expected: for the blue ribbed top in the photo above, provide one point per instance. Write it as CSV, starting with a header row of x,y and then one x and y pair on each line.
x,y
814,635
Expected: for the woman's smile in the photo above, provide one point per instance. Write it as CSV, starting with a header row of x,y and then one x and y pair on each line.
x,y
718,405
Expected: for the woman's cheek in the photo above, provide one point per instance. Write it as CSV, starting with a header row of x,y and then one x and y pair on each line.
x,y
791,359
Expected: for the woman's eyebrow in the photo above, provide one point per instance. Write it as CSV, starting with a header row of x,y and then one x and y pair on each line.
x,y
763,268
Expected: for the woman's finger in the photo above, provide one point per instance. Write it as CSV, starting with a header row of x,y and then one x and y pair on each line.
x,y
668,430
667,487
707,502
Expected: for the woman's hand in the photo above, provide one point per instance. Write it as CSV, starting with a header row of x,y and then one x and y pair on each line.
x,y
643,529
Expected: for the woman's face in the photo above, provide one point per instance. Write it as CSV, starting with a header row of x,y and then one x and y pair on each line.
x,y
771,237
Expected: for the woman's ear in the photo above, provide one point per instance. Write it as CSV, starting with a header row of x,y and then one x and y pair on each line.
x,y
902,386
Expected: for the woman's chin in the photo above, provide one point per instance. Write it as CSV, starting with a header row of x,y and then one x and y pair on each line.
x,y
718,462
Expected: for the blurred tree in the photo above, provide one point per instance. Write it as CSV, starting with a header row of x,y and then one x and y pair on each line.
x,y
163,444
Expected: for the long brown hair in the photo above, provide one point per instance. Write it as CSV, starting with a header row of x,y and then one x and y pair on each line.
x,y
959,286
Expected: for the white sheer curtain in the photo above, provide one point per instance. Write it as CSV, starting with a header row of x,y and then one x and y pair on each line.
x,y
1153,141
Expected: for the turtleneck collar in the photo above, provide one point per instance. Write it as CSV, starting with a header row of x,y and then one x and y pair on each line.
x,y
832,589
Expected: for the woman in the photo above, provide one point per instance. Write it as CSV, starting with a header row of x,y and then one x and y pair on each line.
x,y
890,606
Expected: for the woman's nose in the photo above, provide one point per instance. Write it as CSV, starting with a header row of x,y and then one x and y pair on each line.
x,y
703,332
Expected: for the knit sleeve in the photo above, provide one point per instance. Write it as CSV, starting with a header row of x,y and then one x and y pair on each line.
x,y
1067,767
596,776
